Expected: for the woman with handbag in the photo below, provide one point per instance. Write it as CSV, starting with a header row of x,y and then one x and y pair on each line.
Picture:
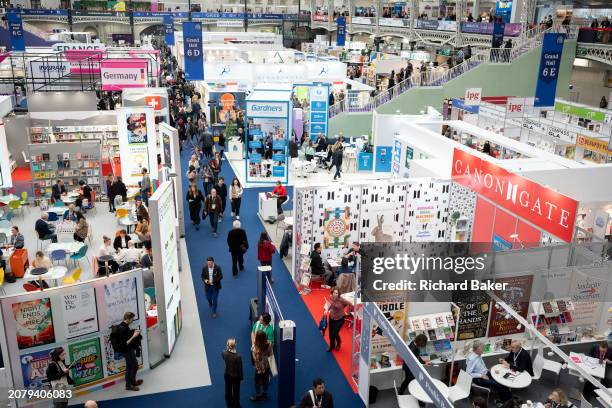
x,y
58,375
261,352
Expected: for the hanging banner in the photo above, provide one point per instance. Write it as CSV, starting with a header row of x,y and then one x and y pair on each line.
x,y
548,73
169,29
117,75
515,107
319,104
341,32
595,145
192,48
16,31
497,39
137,143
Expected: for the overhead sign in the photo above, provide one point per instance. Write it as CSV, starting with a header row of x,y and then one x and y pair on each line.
x,y
48,69
117,75
473,96
515,107
459,104
548,73
15,27
341,31
169,29
319,108
192,48
546,208
230,23
266,109
580,112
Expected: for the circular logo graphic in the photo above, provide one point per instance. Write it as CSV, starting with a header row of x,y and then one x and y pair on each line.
x,y
336,227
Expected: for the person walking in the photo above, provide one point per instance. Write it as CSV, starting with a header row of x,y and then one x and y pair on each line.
x,y
318,397
221,188
336,318
145,186
58,374
265,250
337,161
212,209
126,341
207,179
233,374
110,192
260,353
212,276
195,200
236,197
238,244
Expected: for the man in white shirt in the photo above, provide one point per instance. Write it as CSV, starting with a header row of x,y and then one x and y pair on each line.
x,y
129,254
107,250
476,367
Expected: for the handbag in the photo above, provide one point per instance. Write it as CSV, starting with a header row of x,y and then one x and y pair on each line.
x,y
244,247
323,324
272,364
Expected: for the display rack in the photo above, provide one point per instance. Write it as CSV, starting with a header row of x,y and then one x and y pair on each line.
x,y
552,319
106,134
70,162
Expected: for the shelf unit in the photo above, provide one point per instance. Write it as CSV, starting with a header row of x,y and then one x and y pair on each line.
x,y
106,134
70,162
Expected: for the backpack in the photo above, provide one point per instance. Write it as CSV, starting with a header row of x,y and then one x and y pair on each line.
x,y
53,375
115,339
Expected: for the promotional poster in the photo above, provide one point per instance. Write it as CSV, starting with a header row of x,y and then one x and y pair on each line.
x,y
34,323
86,361
34,368
517,295
474,316
396,313
137,140
79,312
120,297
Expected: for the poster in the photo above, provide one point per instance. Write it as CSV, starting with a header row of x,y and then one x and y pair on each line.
x,y
192,48
86,360
319,108
474,315
516,295
34,323
137,140
80,315
588,295
395,313
548,72
336,227
115,364
169,29
16,31
224,106
341,31
397,157
120,297
34,368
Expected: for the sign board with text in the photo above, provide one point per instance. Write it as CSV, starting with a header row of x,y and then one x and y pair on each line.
x,y
473,96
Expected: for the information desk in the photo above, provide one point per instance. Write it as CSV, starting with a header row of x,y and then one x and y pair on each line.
x,y
267,207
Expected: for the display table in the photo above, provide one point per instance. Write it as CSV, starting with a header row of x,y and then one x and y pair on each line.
x,y
267,207
514,380
128,222
589,364
415,389
235,149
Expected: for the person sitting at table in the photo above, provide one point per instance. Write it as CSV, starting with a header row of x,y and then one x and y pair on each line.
x,y
143,231
58,190
70,214
106,250
121,240
41,261
16,240
321,143
82,228
317,267
476,367
141,211
280,192
518,359
85,195
129,257
146,259
419,342
558,399
44,229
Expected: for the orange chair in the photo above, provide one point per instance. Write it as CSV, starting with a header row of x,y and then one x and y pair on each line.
x,y
29,287
19,262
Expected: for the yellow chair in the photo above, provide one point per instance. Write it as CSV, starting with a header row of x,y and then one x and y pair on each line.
x,y
122,213
74,277
2,281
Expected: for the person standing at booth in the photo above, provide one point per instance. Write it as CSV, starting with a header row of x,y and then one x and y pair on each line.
x,y
415,345
280,192
145,186
233,374
261,353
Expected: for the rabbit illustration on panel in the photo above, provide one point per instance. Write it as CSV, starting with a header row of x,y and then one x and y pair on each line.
x,y
378,232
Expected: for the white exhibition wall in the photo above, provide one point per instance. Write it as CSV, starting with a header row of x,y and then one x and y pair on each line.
x,y
6,180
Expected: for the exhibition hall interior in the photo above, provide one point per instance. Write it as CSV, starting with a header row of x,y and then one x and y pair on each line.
x,y
311,204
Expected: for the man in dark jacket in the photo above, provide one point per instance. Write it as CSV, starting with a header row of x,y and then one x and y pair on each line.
x,y
337,161
58,190
518,359
207,144
317,397
316,264
128,341
212,209
221,188
238,244
212,276
44,229
233,374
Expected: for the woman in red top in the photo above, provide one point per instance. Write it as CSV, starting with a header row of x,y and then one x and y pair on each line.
x,y
265,250
281,196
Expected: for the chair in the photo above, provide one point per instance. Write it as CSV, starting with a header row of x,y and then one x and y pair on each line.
x,y
15,205
58,255
90,205
53,217
59,203
25,158
24,198
483,390
280,223
405,401
8,215
461,389
122,213
2,281
40,243
538,366
550,365
29,287
74,277
79,255
584,403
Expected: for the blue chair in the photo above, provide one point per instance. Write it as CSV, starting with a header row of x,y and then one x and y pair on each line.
x,y
76,258
58,255
53,217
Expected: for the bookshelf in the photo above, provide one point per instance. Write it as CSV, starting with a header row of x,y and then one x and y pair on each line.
x,y
70,162
106,134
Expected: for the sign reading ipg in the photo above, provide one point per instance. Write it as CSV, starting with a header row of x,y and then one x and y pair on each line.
x,y
267,109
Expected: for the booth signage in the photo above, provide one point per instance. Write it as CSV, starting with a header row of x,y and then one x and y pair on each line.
x,y
192,48
230,23
533,125
267,109
16,31
364,161
137,142
169,29
473,96
546,208
397,157
117,75
51,69
548,73
584,113
319,108
594,145
560,133
341,31
497,39
515,107
361,20
78,47
459,104
391,22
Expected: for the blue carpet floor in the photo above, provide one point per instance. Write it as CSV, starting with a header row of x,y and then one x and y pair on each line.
x,y
232,320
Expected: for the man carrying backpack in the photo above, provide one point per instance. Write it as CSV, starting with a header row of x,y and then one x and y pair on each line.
x,y
126,342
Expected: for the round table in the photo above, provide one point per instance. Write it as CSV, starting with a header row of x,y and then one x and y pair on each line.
x,y
415,389
39,272
516,380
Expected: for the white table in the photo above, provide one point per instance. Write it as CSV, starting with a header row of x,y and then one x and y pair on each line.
x,y
58,210
288,221
515,380
69,247
603,398
589,364
135,239
415,389
8,198
74,194
53,274
267,207
69,199
128,222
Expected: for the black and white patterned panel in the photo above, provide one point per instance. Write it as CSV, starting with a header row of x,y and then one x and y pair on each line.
x,y
462,206
380,215
427,206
